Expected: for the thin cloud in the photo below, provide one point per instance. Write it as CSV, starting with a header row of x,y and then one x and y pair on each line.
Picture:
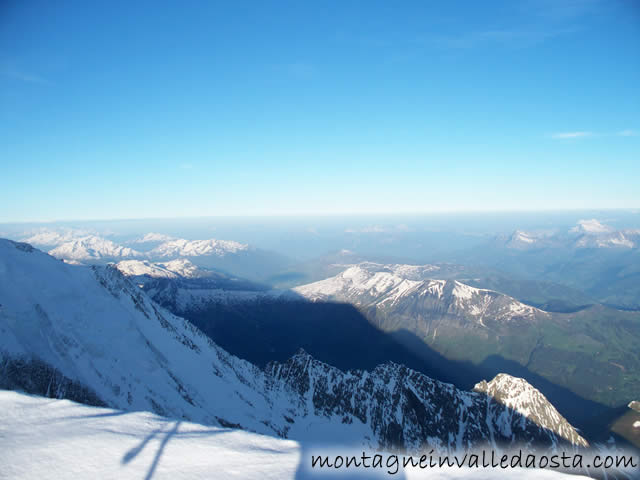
x,y
584,134
561,10
566,135
301,70
23,76
627,133
509,38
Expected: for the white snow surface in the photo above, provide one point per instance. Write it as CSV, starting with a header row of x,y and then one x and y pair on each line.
x,y
44,439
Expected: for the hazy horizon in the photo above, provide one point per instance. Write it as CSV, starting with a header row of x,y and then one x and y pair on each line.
x,y
127,110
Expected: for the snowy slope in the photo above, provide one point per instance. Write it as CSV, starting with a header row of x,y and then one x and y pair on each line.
x,y
50,439
521,397
96,328
86,443
87,333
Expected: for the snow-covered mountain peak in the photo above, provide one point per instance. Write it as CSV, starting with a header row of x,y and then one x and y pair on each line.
x,y
47,237
591,226
387,286
153,237
92,248
520,396
524,237
193,248
523,240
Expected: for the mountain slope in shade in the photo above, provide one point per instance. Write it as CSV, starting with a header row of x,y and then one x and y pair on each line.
x,y
87,442
180,268
90,334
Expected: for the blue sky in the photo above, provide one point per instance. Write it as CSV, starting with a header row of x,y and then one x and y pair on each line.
x,y
171,109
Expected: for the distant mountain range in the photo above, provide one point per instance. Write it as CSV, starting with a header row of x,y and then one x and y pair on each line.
x,y
237,258
90,335
592,259
586,234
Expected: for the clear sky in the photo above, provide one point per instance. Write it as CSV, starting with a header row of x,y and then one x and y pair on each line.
x,y
164,109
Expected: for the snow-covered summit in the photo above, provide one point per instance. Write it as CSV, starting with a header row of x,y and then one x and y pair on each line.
x,y
92,248
593,234
521,240
153,237
47,237
591,226
194,248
